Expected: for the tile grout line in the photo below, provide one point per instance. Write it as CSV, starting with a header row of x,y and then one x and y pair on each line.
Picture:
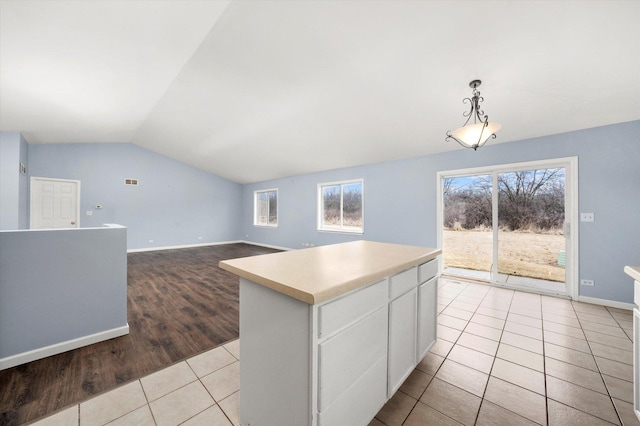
x,y
148,403
615,408
198,379
438,369
544,367
493,361
435,372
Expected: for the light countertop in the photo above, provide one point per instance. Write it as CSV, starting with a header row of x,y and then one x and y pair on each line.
x,y
633,272
318,274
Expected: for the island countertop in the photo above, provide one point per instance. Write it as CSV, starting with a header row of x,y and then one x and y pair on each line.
x,y
633,272
318,274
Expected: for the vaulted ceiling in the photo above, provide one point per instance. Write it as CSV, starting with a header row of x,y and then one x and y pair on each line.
x,y
255,90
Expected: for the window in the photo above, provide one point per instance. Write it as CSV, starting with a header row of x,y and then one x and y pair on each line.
x,y
265,208
341,206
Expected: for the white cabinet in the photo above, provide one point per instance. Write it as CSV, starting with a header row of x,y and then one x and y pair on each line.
x,y
403,324
352,371
634,272
412,330
636,360
337,362
428,270
427,310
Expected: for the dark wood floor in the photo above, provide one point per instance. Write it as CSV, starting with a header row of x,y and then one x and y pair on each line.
x,y
180,303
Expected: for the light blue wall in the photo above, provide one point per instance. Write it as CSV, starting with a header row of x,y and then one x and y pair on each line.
x,y
173,204
9,179
23,187
400,200
59,285
14,186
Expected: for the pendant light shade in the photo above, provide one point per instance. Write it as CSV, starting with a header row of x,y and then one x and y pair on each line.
x,y
481,130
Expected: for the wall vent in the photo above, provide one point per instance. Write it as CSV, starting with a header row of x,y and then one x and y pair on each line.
x,y
129,181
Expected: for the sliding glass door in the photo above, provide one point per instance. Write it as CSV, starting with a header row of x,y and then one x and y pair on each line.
x,y
531,244
467,225
510,225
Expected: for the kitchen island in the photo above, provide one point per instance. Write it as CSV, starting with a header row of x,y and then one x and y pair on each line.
x,y
634,272
329,334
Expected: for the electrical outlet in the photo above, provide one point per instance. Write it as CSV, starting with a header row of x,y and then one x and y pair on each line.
x,y
587,217
89,212
151,241
199,238
589,283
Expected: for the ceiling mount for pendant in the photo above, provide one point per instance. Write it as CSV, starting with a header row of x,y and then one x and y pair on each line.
x,y
477,134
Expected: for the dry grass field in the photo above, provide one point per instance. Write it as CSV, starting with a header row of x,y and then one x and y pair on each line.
x,y
524,254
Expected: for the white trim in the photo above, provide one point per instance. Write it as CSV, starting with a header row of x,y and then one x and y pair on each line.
x,y
605,302
511,167
181,246
266,245
31,189
340,229
35,354
139,250
572,277
571,205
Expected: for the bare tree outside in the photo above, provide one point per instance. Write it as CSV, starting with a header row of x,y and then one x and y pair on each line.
x,y
467,202
342,205
530,222
273,207
531,199
266,208
352,205
331,205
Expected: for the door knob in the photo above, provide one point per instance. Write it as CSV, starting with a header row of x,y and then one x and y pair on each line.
x,y
73,223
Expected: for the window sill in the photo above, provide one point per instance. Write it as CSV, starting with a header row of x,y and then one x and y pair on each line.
x,y
341,231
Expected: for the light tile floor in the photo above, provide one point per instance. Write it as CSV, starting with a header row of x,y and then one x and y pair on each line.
x,y
202,390
502,357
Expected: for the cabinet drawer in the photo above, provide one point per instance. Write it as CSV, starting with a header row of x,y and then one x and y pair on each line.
x,y
361,401
348,355
403,282
341,312
428,270
636,293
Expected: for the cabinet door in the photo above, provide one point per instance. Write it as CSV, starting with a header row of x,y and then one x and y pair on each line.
x,y
427,316
402,339
636,360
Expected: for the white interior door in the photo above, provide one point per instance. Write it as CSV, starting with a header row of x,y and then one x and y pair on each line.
x,y
55,203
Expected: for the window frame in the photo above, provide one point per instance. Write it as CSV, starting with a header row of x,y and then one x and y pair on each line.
x,y
320,210
255,208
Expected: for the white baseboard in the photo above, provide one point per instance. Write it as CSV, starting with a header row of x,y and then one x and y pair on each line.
x,y
183,246
606,302
24,357
266,245
138,250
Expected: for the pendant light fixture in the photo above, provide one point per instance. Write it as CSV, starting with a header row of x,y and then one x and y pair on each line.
x,y
477,134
